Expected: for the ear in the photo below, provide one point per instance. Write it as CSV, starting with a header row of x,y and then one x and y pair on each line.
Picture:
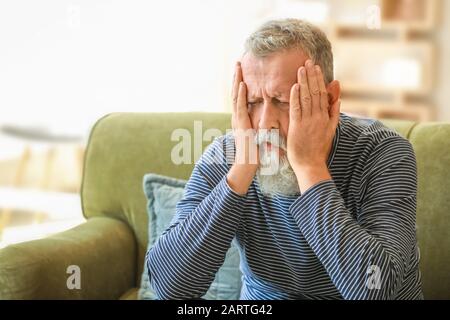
x,y
334,92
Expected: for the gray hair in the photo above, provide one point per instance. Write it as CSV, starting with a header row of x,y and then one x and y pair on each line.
x,y
279,35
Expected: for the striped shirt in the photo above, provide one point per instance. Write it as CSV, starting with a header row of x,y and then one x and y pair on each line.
x,y
352,237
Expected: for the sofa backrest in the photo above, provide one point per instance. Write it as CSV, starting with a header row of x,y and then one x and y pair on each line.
x,y
123,147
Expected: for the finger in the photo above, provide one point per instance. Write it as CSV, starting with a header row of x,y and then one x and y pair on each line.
x,y
295,110
314,90
241,105
236,81
305,97
324,104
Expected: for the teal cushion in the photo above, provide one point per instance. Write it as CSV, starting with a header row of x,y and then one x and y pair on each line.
x,y
163,194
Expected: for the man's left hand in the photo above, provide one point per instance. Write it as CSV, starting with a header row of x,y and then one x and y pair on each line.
x,y
312,127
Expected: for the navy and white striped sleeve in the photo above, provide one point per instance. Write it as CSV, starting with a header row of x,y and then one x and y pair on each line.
x,y
183,262
379,238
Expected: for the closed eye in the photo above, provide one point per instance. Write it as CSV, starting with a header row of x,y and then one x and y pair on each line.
x,y
278,101
282,104
274,101
253,103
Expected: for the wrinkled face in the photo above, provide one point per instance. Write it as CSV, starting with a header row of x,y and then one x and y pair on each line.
x,y
269,81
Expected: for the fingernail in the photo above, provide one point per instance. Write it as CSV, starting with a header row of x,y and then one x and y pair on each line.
x,y
302,71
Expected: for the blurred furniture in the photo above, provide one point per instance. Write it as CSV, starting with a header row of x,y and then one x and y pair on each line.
x,y
388,71
109,248
50,141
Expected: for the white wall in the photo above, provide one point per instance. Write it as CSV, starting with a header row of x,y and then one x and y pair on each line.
x,y
65,63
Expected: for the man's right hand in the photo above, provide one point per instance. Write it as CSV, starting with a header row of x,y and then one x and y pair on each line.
x,y
246,162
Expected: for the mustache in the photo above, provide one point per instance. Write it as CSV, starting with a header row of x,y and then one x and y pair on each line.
x,y
272,137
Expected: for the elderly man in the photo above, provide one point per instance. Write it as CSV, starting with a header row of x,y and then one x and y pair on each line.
x,y
334,220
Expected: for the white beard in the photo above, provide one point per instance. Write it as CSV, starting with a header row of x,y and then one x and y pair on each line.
x,y
277,175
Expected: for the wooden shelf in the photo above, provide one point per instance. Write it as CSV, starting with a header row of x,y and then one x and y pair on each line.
x,y
389,72
362,88
417,14
382,110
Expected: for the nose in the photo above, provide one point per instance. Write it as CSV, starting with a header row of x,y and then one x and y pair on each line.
x,y
269,117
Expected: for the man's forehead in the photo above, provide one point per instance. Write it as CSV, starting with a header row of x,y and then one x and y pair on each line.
x,y
277,71
284,60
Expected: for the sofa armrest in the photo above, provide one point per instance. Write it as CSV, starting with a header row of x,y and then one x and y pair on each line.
x,y
103,248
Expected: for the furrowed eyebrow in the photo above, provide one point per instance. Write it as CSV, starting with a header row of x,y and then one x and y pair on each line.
x,y
254,99
277,97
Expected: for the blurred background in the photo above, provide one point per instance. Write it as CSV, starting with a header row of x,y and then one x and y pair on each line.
x,y
64,64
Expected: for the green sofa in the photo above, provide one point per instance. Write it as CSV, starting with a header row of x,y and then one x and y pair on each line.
x,y
109,248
